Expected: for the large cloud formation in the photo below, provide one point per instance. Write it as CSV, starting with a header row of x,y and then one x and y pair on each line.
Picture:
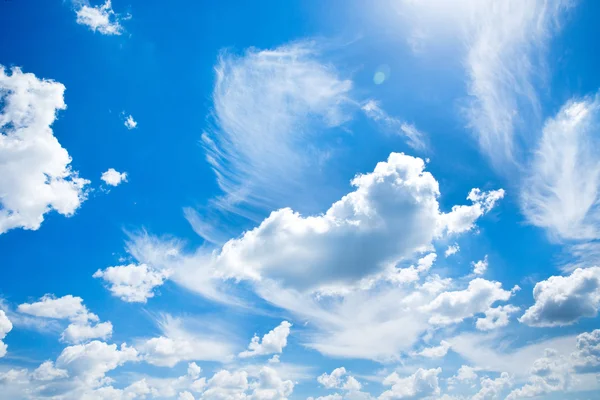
x,y
35,172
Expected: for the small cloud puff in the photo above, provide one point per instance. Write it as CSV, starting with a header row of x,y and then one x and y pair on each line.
x,y
113,177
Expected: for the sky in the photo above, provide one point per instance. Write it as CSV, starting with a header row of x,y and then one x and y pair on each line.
x,y
341,200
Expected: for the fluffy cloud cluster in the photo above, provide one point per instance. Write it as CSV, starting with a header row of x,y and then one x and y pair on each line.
x,y
587,356
35,172
548,374
493,388
132,283
421,384
454,306
5,327
562,300
79,372
101,18
83,326
272,342
392,214
496,317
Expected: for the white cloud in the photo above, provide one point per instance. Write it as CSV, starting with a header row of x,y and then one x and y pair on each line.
x,y
352,384
392,214
71,308
412,273
496,317
275,359
419,385
66,307
81,332
185,340
5,327
100,18
480,266
78,373
492,389
587,356
563,300
494,352
505,44
113,177
415,138
90,362
35,172
132,283
452,249
453,307
270,386
333,380
186,396
226,385
462,218
548,374
130,123
48,372
333,269
437,351
268,104
272,342
464,374
562,191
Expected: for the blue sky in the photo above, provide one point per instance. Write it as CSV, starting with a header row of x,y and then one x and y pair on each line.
x,y
392,199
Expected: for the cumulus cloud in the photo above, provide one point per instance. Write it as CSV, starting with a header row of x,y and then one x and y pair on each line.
x,y
563,300
272,342
465,374
548,374
492,389
587,356
48,372
35,172
113,177
78,373
91,361
100,18
437,351
5,327
132,283
185,340
83,326
451,250
562,191
480,266
414,137
454,306
393,213
130,123
332,380
340,270
227,385
496,317
423,383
